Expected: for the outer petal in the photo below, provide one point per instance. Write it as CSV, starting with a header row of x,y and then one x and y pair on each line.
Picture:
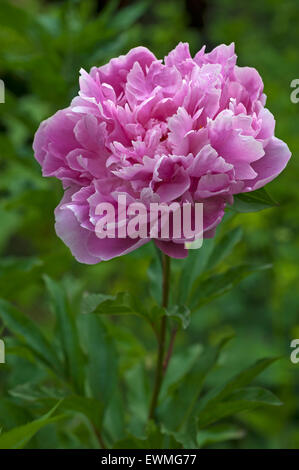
x,y
110,248
213,211
57,130
71,233
85,246
277,155
251,80
174,250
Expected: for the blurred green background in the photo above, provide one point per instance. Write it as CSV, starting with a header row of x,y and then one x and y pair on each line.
x,y
42,47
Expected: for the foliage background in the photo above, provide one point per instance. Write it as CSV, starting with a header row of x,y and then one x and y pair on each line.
x,y
43,46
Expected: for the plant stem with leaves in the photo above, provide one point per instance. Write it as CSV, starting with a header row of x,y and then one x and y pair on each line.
x,y
162,337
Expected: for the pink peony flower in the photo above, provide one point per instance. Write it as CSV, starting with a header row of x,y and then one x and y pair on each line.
x,y
191,129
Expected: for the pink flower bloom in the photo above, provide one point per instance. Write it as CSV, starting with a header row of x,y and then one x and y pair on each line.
x,y
191,129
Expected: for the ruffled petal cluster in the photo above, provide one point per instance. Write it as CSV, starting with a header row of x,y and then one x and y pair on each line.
x,y
186,130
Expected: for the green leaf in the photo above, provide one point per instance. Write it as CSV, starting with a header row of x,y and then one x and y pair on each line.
x,y
244,399
129,347
17,438
122,303
246,376
193,267
178,367
240,380
32,392
108,304
155,277
212,253
155,438
211,406
207,289
224,246
68,334
91,408
253,201
126,17
181,314
114,420
13,265
102,358
178,407
12,414
138,398
15,17
29,335
218,433
16,273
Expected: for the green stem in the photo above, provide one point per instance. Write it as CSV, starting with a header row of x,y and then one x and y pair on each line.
x,y
99,437
161,337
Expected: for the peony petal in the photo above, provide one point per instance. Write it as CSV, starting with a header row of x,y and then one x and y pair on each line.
x,y
174,250
277,155
71,233
116,71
